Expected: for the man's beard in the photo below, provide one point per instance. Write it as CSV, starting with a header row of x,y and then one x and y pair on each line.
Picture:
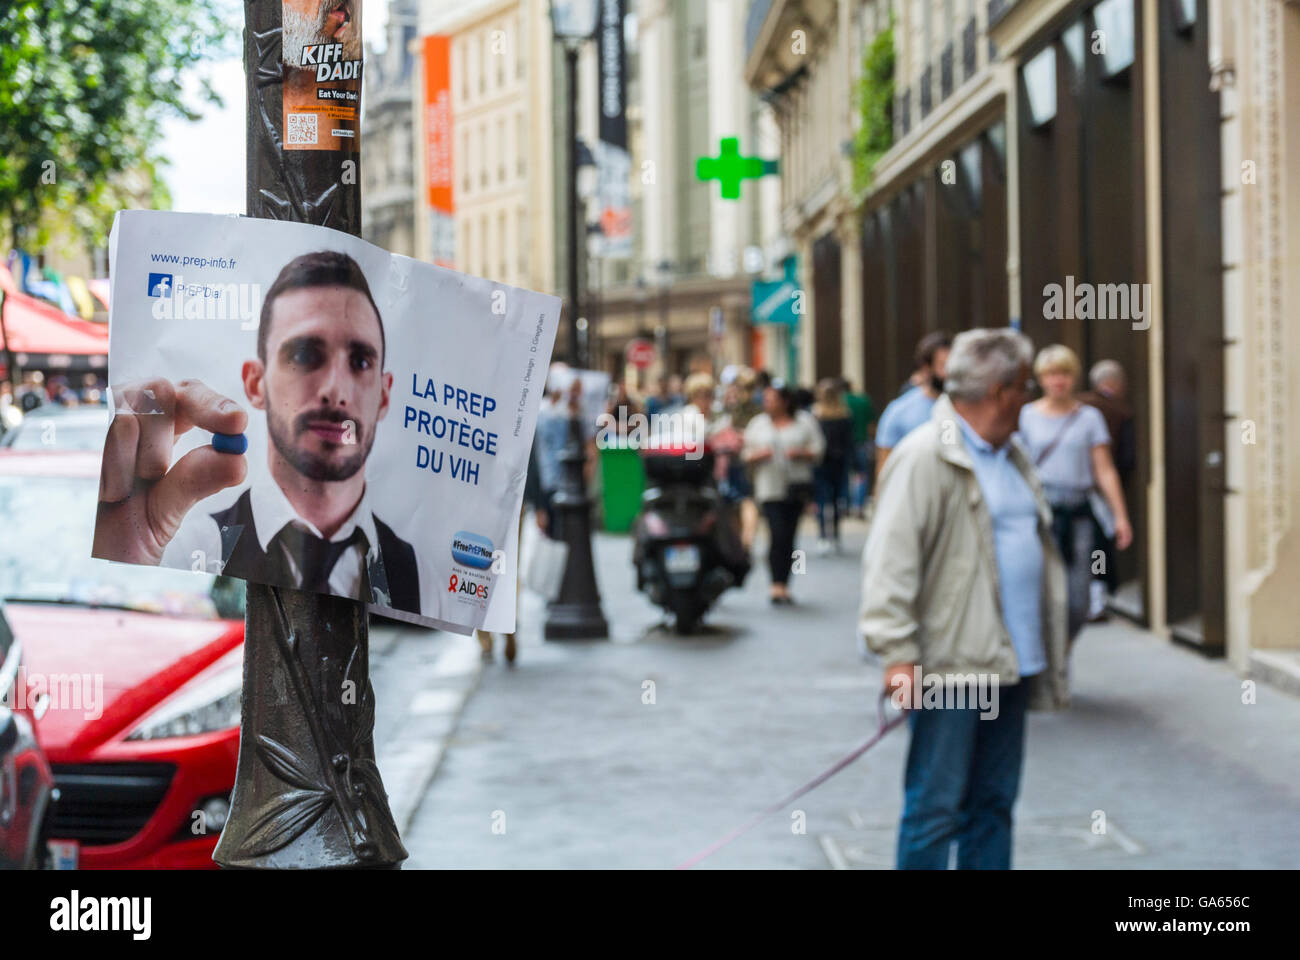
x,y
310,465
936,383
300,29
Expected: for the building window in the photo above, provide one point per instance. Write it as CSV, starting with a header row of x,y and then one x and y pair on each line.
x,y
1039,77
521,65
501,150
500,50
968,49
521,225
462,54
503,248
521,144
465,163
482,64
1114,18
1074,44
482,155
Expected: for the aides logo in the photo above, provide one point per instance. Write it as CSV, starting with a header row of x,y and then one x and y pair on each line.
x,y
328,60
160,285
467,588
471,579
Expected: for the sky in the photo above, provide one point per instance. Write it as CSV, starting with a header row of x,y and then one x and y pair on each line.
x,y
206,158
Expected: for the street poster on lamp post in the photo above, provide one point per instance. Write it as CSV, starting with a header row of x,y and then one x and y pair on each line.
x,y
299,408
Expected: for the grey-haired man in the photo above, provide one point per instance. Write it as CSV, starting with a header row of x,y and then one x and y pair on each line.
x,y
963,588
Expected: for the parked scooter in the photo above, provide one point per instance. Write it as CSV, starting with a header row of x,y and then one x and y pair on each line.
x,y
687,551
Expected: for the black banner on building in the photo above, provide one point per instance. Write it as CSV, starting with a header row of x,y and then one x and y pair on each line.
x,y
612,157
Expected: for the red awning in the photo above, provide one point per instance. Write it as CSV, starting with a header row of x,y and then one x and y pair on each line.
x,y
35,327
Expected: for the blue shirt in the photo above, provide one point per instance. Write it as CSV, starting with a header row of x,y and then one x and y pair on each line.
x,y
1019,550
552,435
902,416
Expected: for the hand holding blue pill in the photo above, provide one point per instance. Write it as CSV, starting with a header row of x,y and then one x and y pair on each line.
x,y
143,495
233,443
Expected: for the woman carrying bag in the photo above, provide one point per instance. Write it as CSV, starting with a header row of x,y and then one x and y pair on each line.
x,y
1070,446
782,446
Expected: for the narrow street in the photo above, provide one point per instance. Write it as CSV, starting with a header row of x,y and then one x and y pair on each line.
x,y
561,751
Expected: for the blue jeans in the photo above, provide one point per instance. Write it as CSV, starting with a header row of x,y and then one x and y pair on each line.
x,y
961,781
831,486
864,462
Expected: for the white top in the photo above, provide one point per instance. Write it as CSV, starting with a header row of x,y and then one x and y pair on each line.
x,y
773,477
272,511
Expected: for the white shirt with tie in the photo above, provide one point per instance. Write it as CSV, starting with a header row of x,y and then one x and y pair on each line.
x,y
197,545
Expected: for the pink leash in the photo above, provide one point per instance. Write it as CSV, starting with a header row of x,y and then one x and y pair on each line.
x,y
884,728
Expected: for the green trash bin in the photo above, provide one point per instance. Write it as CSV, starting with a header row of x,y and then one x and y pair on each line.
x,y
622,481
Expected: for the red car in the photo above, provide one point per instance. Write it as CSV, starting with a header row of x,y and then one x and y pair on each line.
x,y
26,785
141,670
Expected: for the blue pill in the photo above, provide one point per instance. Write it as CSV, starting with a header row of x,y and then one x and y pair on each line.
x,y
229,442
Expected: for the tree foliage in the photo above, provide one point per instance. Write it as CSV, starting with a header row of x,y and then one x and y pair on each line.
x,y
876,101
84,88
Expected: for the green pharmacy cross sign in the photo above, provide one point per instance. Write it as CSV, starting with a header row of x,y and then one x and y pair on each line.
x,y
729,168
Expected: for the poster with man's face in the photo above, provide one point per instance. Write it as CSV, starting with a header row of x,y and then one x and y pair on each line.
x,y
321,51
296,407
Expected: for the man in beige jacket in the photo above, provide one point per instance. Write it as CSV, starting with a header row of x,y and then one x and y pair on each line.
x,y
963,599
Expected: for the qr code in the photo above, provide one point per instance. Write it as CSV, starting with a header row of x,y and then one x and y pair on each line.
x,y
302,129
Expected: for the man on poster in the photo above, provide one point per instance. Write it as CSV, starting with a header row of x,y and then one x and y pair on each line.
x,y
319,377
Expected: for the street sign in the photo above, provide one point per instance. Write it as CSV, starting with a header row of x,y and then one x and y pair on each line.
x,y
640,353
729,168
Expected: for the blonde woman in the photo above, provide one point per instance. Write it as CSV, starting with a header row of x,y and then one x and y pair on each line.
x,y
698,412
1069,444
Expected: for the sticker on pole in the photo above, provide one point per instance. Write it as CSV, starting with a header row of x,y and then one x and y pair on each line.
x,y
296,407
321,52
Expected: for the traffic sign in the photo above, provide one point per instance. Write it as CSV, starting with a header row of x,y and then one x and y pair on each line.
x,y
640,353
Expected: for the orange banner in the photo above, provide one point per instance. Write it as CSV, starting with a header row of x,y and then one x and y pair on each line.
x,y
438,148
437,122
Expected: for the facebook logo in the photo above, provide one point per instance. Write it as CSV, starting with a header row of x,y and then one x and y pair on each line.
x,y
160,284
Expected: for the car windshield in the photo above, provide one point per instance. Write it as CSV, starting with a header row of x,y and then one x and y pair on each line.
x,y
46,529
62,431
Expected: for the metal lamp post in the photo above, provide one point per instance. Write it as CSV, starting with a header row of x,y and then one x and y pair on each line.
x,y
575,613
307,790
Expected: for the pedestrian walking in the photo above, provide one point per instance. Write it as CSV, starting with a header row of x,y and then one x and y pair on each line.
x,y
863,413
831,475
550,439
782,446
1071,448
912,407
736,485
665,398
621,400
485,637
1109,394
697,415
948,609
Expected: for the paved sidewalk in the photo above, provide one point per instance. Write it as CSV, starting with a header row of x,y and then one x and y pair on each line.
x,y
421,679
558,762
